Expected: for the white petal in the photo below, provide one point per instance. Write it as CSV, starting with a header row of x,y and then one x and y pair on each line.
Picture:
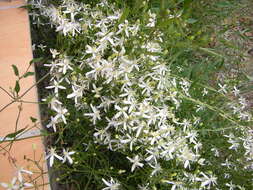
x,y
70,160
51,162
59,157
106,183
28,185
26,171
5,185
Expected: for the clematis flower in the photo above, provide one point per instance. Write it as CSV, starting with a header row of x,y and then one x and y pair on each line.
x,y
56,86
10,186
95,115
136,162
20,172
66,157
52,155
111,185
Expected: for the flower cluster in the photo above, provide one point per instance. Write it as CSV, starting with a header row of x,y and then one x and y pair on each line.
x,y
66,156
122,83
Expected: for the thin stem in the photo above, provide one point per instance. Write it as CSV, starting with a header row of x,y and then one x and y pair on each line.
x,y
6,92
45,76
7,105
16,124
18,98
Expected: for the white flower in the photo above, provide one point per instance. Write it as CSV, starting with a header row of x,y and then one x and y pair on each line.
x,y
153,47
136,162
53,123
152,19
124,27
67,27
222,88
52,154
61,111
233,141
236,91
25,185
95,115
192,177
96,90
64,65
227,164
121,111
72,9
53,13
216,152
20,171
231,185
53,66
41,46
143,187
106,38
156,169
10,186
54,103
244,116
187,156
200,108
153,155
131,140
227,175
243,102
186,124
56,86
208,180
92,50
175,184
54,52
66,155
111,185
204,92
77,93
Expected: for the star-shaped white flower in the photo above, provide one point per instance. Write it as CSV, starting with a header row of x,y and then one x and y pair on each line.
x,y
136,162
10,186
56,86
95,115
111,185
66,157
20,172
52,155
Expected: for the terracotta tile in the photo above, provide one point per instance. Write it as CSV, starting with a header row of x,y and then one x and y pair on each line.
x,y
15,48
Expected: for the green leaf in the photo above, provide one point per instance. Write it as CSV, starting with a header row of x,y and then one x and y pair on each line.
x,y
44,132
224,4
28,7
28,74
33,119
15,69
13,135
191,20
36,60
124,15
17,87
211,52
249,77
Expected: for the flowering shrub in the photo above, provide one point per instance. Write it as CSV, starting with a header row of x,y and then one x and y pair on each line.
x,y
125,115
